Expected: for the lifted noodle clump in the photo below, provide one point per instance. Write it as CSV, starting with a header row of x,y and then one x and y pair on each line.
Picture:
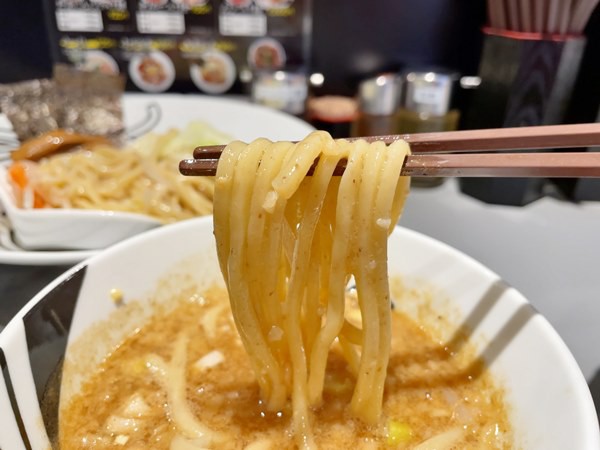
x,y
289,243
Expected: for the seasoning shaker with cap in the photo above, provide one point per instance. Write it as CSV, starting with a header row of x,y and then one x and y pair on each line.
x,y
426,107
378,101
426,102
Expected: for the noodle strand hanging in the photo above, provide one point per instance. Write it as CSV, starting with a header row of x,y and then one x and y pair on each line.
x,y
288,245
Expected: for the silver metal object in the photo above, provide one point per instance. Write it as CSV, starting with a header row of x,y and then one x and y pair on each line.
x,y
283,90
427,91
380,96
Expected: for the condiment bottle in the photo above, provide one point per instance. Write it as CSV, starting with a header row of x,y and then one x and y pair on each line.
x,y
425,108
426,100
282,90
378,100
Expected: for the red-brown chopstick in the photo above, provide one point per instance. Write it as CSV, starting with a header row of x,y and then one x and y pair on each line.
x,y
555,165
551,165
431,153
523,138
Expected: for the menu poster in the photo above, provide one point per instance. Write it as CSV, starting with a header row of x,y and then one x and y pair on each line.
x,y
211,46
93,16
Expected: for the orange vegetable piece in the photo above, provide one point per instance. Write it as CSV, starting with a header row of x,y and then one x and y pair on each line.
x,y
18,174
38,200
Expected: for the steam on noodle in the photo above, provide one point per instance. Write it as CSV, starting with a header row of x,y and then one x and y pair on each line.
x,y
288,245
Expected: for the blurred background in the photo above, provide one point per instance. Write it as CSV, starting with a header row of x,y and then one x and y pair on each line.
x,y
300,50
350,41
354,67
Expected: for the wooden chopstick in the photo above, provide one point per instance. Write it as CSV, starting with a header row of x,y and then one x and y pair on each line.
x,y
431,155
551,165
524,138
555,165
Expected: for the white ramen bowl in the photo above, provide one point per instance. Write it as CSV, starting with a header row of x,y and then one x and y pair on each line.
x,y
550,406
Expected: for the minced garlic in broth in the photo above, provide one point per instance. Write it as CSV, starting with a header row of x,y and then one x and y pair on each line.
x,y
430,389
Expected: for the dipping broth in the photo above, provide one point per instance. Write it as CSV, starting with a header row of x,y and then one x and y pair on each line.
x,y
432,392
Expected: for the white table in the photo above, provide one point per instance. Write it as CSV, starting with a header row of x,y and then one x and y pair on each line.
x,y
549,250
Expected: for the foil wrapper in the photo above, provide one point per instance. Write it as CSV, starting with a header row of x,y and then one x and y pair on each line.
x,y
30,107
74,100
89,102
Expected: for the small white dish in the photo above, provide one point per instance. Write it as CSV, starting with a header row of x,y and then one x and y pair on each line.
x,y
68,229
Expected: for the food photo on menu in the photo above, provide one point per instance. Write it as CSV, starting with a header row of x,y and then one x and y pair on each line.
x,y
223,226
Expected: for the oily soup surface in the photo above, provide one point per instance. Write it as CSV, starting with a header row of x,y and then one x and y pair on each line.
x,y
430,389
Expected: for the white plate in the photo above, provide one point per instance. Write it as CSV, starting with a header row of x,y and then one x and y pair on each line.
x,y
187,4
219,60
99,60
549,403
270,45
148,112
162,61
274,4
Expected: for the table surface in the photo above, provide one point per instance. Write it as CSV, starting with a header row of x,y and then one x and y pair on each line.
x,y
548,250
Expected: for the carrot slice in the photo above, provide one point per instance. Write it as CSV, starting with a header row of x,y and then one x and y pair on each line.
x,y
38,200
18,174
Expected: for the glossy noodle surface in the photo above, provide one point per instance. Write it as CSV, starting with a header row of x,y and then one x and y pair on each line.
x,y
289,243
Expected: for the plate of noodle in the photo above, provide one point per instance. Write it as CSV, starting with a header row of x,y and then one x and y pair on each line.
x,y
297,316
63,207
56,228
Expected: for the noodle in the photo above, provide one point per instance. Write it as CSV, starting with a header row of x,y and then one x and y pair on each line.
x,y
121,180
172,378
288,244
140,178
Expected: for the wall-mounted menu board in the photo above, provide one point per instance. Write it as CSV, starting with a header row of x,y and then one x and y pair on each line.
x,y
161,45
